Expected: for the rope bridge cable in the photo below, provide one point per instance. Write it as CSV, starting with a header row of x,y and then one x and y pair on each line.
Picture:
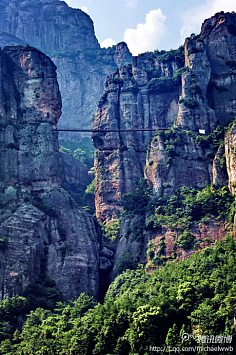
x,y
112,130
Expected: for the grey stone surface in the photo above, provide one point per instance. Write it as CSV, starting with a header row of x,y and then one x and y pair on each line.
x,y
67,36
43,228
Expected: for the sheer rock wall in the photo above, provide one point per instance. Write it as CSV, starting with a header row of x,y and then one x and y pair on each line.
x,y
42,229
154,93
188,96
67,36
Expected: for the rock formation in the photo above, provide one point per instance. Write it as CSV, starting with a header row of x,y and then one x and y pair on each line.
x,y
192,92
67,36
76,173
42,229
189,95
33,21
186,95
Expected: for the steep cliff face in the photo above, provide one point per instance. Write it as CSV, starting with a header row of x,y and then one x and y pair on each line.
x,y
76,173
188,95
193,93
79,75
122,54
67,36
50,25
130,102
42,229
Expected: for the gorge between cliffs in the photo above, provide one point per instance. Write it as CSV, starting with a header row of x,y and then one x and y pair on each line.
x,y
138,248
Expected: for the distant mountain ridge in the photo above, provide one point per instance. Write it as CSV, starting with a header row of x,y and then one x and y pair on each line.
x,y
49,25
67,36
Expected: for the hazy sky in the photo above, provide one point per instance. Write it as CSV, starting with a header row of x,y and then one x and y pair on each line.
x,y
146,25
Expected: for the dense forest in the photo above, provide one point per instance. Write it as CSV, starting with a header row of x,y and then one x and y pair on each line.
x,y
122,243
179,307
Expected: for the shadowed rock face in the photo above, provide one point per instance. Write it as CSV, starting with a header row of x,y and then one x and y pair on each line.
x,y
154,93
42,228
50,25
30,109
67,36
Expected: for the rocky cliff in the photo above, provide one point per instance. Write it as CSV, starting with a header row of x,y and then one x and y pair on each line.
x,y
178,108
43,231
67,36
191,90
32,22
188,95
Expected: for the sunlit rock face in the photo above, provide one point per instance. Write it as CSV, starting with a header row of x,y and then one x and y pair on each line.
x,y
42,229
122,54
192,90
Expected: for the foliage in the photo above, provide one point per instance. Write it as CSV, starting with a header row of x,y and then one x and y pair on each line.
x,y
117,80
156,252
65,150
195,296
179,73
186,240
136,231
111,229
194,88
136,202
231,63
171,55
187,205
189,102
178,212
97,58
40,204
83,150
125,262
216,138
153,73
103,99
172,139
161,85
91,188
3,243
10,310
42,293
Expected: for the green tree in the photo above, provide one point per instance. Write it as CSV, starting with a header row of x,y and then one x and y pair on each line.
x,y
172,337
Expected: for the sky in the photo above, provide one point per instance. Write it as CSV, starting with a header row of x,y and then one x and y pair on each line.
x,y
147,25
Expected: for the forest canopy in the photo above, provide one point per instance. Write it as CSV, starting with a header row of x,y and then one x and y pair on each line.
x,y
141,310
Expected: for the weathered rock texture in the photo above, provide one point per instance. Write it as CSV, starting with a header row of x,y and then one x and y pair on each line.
x,y
163,242
76,173
187,96
42,229
127,103
154,93
67,36
50,24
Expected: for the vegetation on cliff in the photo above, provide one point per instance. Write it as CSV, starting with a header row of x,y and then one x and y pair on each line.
x,y
195,296
83,150
83,189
